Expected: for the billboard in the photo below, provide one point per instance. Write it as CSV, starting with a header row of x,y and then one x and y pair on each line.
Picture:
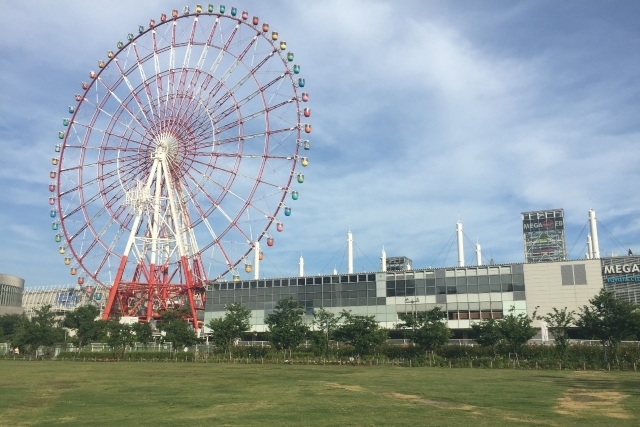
x,y
543,235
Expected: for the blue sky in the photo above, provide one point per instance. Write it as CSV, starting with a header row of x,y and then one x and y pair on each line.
x,y
423,112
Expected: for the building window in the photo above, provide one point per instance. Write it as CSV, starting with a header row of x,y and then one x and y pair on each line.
x,y
573,274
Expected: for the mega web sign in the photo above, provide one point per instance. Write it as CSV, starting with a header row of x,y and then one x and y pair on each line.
x,y
621,269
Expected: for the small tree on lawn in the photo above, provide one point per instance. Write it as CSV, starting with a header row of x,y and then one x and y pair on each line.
x,y
517,330
608,320
10,324
324,325
226,330
488,334
558,322
286,325
119,335
176,328
83,321
40,330
426,329
142,332
362,332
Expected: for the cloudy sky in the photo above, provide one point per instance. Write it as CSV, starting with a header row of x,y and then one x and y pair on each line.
x,y
424,112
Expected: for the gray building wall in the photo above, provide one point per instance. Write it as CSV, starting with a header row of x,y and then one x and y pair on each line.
x,y
569,284
11,289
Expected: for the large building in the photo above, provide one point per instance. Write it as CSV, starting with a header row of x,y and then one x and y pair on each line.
x,y
466,294
11,289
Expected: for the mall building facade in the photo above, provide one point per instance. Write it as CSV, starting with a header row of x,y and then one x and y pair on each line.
x,y
466,294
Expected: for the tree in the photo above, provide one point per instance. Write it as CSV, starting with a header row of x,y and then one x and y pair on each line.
x,y
362,332
176,328
40,331
84,321
558,323
226,330
10,324
286,325
517,330
120,335
143,333
488,334
608,320
324,324
426,329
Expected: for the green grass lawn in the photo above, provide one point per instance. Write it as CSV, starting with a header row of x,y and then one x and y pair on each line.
x,y
185,394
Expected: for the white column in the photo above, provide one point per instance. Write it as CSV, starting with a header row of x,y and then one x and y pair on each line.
x,y
256,260
383,260
595,254
460,244
589,247
349,252
301,264
478,254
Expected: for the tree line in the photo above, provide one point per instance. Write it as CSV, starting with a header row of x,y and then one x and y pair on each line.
x,y
606,319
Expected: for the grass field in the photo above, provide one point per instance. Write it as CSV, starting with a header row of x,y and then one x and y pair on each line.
x,y
189,394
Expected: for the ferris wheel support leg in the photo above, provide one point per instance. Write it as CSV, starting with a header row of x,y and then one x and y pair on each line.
x,y
190,286
114,289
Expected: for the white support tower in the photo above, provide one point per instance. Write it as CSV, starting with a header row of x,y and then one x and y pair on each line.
x,y
383,261
349,252
301,265
478,254
595,253
460,244
589,247
256,260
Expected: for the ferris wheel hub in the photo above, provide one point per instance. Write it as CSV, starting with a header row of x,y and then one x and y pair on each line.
x,y
167,145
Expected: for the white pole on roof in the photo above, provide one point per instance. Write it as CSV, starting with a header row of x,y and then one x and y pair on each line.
x,y
595,254
349,252
301,265
478,254
589,247
460,244
383,260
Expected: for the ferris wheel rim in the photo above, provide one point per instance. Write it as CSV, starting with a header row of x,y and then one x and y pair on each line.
x,y
233,176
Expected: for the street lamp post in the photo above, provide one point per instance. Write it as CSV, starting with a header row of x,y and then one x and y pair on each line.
x,y
413,302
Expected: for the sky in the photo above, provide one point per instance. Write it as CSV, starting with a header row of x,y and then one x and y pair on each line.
x,y
424,113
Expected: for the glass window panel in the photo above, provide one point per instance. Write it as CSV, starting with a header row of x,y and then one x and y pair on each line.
x,y
518,287
269,283
300,282
261,283
441,290
430,282
483,280
391,292
216,286
461,289
496,287
285,282
353,279
451,290
223,286
474,315
335,279
461,281
431,290
518,278
410,291
484,288
463,315
344,279
253,284
450,281
371,278
276,283
507,287
326,279
472,280
494,279
245,285
309,281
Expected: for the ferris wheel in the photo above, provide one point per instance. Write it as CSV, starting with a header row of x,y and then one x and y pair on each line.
x,y
178,158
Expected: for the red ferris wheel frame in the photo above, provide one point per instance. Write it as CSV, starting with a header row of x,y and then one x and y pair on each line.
x,y
160,158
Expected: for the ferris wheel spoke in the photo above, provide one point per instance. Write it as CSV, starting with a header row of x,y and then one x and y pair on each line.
x,y
123,105
246,119
145,82
134,93
92,128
